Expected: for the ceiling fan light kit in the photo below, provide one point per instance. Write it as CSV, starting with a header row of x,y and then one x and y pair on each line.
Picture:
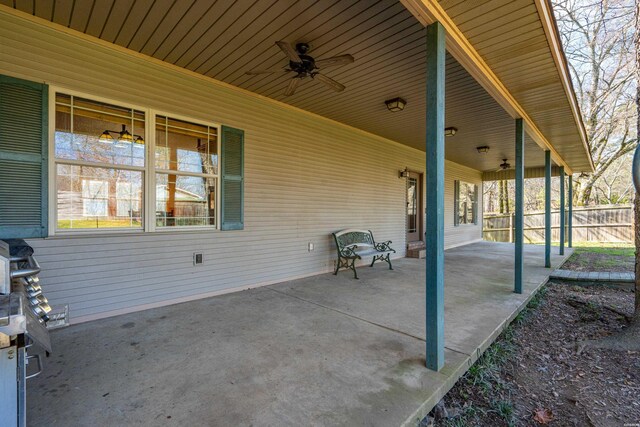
x,y
450,131
395,104
306,66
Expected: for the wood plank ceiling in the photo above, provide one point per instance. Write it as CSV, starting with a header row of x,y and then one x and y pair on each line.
x,y
510,37
223,39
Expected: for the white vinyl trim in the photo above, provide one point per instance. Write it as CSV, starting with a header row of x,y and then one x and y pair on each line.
x,y
149,170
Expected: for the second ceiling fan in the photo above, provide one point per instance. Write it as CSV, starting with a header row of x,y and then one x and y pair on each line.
x,y
504,166
306,66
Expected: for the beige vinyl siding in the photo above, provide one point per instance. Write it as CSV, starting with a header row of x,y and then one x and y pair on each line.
x,y
463,233
305,176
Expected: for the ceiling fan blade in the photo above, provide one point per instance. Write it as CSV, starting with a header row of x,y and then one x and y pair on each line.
x,y
334,60
256,72
293,85
329,82
289,51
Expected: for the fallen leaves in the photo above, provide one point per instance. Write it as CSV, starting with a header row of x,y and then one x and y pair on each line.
x,y
543,416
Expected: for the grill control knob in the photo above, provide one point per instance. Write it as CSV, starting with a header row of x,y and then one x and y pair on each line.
x,y
41,309
33,290
40,299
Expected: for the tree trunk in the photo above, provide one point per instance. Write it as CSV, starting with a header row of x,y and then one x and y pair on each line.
x,y
586,193
636,206
636,313
506,195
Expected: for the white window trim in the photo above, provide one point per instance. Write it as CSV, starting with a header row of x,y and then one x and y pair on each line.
x,y
477,206
151,195
148,170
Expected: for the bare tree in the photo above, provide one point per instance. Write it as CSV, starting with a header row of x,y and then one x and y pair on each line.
x,y
637,198
598,39
614,186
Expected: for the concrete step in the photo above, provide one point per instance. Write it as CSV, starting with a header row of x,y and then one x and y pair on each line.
x,y
417,245
416,253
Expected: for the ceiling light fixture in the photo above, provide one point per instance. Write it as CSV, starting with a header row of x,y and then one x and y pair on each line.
x,y
124,137
483,149
395,104
451,131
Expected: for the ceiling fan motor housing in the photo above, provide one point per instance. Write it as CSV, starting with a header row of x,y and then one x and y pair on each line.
x,y
305,67
308,64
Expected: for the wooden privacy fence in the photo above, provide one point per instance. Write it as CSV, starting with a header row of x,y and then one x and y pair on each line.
x,y
595,224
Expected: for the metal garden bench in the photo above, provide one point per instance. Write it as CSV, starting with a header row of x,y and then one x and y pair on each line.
x,y
352,245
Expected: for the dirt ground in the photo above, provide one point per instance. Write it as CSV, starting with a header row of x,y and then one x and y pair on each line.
x,y
540,372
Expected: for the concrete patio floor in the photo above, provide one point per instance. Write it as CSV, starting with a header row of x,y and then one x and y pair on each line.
x,y
323,350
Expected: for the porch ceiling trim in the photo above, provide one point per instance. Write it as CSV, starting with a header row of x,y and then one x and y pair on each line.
x,y
429,11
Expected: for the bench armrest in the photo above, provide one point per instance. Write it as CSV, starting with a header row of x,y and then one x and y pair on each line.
x,y
349,252
384,246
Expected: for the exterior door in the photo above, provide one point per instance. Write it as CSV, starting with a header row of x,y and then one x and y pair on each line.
x,y
414,207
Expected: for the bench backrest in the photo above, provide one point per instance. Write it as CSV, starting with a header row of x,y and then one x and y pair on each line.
x,y
353,237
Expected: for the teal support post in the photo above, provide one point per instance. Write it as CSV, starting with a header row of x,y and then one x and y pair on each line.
x,y
547,209
570,222
562,211
434,227
519,208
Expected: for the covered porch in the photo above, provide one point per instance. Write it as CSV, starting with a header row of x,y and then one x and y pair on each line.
x,y
322,350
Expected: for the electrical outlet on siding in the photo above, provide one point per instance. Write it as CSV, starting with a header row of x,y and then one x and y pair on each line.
x,y
311,246
198,258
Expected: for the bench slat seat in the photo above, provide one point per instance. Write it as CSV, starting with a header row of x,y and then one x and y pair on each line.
x,y
352,245
372,251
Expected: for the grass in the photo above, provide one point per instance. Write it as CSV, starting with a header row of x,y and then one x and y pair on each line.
x,y
596,256
95,224
614,249
506,411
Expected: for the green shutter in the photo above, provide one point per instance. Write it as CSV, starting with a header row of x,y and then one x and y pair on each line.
x,y
23,158
232,185
456,203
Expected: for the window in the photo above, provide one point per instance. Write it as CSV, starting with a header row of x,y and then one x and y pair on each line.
x,y
99,150
186,160
466,203
104,181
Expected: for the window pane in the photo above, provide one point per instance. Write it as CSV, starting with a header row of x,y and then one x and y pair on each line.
x,y
187,147
91,197
466,203
412,205
98,132
185,200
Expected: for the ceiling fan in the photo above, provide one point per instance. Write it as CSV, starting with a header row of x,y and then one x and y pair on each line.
x,y
306,66
504,166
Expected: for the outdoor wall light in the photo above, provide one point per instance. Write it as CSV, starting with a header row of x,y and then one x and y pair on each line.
x,y
483,149
395,104
450,131
404,173
124,137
